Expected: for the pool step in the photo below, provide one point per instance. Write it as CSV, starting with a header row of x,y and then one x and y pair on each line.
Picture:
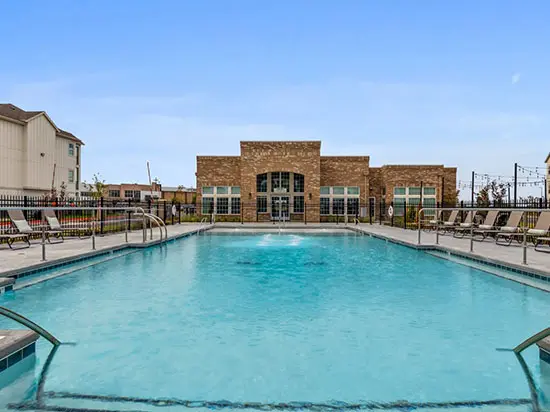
x,y
65,270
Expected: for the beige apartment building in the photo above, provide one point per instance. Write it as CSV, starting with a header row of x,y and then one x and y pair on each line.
x,y
34,151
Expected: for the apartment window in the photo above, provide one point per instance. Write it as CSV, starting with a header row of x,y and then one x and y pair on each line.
x,y
298,204
353,190
222,190
298,183
325,206
207,190
114,193
325,190
134,194
71,149
353,206
235,205
235,190
207,205
414,191
399,191
261,204
410,196
71,176
261,183
222,205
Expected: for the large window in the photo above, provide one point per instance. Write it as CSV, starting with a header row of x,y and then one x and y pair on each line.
x,y
222,205
338,206
298,183
353,206
134,194
222,190
207,205
71,176
114,193
235,205
280,181
325,206
71,149
410,197
298,204
261,183
207,190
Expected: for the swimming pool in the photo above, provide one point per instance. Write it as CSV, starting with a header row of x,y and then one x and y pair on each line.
x,y
278,318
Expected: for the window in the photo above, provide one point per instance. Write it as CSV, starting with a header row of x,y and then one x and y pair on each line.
x,y
325,190
71,149
261,183
207,190
114,193
261,204
222,205
399,191
338,190
207,205
235,205
222,190
136,194
414,191
325,206
429,191
71,176
235,190
338,206
354,190
281,181
298,183
398,206
353,206
298,204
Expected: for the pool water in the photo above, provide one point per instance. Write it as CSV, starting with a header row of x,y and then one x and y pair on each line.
x,y
277,318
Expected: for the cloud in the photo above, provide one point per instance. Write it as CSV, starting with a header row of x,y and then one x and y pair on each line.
x,y
516,77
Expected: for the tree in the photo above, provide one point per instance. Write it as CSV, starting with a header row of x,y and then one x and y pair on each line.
x,y
498,192
98,187
482,198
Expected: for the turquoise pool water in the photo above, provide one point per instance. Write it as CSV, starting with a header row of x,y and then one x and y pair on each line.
x,y
271,318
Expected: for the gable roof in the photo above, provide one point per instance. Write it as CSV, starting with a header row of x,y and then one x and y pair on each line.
x,y
13,112
547,158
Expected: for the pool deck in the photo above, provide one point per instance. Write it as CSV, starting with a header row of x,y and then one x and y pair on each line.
x,y
13,262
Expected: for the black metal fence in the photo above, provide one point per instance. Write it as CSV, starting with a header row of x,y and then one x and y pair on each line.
x,y
398,214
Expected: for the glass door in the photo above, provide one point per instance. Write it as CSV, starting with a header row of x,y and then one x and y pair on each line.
x,y
279,207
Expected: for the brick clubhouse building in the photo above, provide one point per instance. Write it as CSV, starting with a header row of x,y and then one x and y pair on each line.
x,y
291,180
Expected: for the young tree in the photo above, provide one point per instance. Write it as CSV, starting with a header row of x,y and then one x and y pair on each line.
x,y
482,198
98,187
498,192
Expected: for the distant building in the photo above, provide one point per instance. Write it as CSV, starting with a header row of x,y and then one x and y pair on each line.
x,y
285,180
134,191
548,176
31,147
180,194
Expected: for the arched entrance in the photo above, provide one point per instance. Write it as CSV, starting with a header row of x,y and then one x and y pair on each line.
x,y
280,195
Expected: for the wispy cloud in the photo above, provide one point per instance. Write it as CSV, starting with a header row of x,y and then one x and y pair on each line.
x,y
516,78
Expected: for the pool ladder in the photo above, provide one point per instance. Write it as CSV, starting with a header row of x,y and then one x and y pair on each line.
x,y
159,222
201,225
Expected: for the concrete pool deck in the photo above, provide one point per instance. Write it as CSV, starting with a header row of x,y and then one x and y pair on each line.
x,y
13,262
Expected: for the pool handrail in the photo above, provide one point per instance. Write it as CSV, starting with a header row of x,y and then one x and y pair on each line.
x,y
475,209
29,324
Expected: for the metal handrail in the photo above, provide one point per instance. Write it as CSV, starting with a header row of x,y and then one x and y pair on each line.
x,y
203,221
29,324
475,209
160,224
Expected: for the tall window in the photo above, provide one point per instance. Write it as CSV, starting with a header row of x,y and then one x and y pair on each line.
x,y
71,149
298,204
114,193
207,205
71,176
325,206
222,200
261,204
280,180
261,183
298,183
235,205
222,205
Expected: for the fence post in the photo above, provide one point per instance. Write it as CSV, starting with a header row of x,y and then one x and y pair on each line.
x,y
305,213
391,204
179,212
405,214
369,211
242,222
524,245
93,235
43,237
102,217
462,210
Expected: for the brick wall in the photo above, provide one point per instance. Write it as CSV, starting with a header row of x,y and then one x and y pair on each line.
x,y
346,171
217,171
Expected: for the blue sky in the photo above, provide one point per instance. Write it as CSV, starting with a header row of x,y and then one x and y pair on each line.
x,y
465,83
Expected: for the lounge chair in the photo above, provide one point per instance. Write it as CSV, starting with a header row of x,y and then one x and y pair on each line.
x,y
488,225
432,223
54,224
541,230
466,226
12,237
23,227
449,224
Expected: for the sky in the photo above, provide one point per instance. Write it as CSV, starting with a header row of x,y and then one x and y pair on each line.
x,y
463,83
